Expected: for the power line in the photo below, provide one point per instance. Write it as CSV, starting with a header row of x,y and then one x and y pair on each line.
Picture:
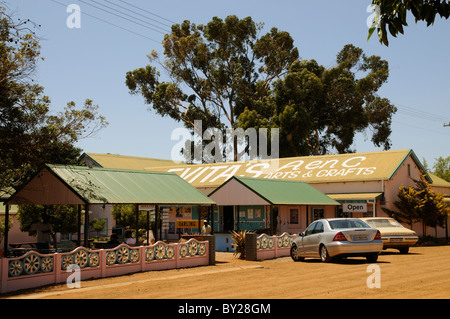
x,y
148,12
420,114
164,24
421,128
110,23
120,16
151,24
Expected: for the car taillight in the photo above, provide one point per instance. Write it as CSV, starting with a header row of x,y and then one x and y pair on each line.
x,y
377,236
339,237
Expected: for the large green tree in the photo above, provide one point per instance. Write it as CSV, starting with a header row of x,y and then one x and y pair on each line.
x,y
30,135
390,15
215,70
319,110
224,74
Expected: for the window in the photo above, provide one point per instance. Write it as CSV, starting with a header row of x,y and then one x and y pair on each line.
x,y
293,214
318,228
310,229
339,213
348,223
388,222
317,213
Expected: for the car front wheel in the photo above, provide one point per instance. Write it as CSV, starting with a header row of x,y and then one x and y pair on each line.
x,y
324,256
295,254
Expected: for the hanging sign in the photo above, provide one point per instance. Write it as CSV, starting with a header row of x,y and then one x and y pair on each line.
x,y
354,207
147,207
187,223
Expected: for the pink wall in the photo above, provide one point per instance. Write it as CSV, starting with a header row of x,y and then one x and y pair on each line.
x,y
268,247
35,270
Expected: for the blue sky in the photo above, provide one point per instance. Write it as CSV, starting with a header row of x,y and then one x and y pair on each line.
x,y
91,62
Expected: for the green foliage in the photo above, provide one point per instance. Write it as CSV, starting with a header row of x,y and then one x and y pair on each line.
x,y
63,218
29,134
319,110
392,15
218,69
227,76
442,168
408,206
98,225
3,224
125,216
420,203
433,213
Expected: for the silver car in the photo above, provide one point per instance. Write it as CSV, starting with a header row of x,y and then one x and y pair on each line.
x,y
337,237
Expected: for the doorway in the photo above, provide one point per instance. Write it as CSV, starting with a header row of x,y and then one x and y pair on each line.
x,y
228,218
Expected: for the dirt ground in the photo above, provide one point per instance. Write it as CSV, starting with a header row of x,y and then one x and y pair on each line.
x,y
423,273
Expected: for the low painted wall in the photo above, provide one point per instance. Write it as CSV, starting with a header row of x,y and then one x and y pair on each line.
x,y
268,247
34,270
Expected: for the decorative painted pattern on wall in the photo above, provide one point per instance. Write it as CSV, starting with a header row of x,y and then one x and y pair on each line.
x,y
267,242
34,269
268,247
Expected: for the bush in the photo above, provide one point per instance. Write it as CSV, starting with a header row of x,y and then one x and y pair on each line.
x,y
239,242
431,241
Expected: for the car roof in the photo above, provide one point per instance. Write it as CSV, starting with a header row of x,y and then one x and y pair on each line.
x,y
336,218
340,218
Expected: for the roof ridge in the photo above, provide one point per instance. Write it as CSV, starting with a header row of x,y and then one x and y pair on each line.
x,y
86,168
269,179
129,156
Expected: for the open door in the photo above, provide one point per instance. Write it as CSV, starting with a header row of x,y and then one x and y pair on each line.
x,y
228,218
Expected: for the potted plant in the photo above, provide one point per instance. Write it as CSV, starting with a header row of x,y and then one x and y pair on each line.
x,y
239,243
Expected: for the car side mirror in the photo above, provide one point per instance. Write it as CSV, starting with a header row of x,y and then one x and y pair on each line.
x,y
302,234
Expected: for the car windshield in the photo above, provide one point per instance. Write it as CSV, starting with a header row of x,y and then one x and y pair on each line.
x,y
383,223
347,223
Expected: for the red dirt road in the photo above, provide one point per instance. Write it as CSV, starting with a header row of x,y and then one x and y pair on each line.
x,y
423,273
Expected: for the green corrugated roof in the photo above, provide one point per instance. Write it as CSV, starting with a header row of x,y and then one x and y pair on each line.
x,y
103,185
282,192
121,186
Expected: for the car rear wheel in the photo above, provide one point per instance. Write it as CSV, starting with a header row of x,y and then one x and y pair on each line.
x,y
295,254
324,256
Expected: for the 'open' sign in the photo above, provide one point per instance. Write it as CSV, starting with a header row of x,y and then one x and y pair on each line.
x,y
354,207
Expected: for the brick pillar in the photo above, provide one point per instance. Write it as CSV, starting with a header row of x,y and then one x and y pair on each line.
x,y
212,248
250,246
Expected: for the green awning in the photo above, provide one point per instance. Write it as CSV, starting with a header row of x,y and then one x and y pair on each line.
x,y
58,184
271,191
